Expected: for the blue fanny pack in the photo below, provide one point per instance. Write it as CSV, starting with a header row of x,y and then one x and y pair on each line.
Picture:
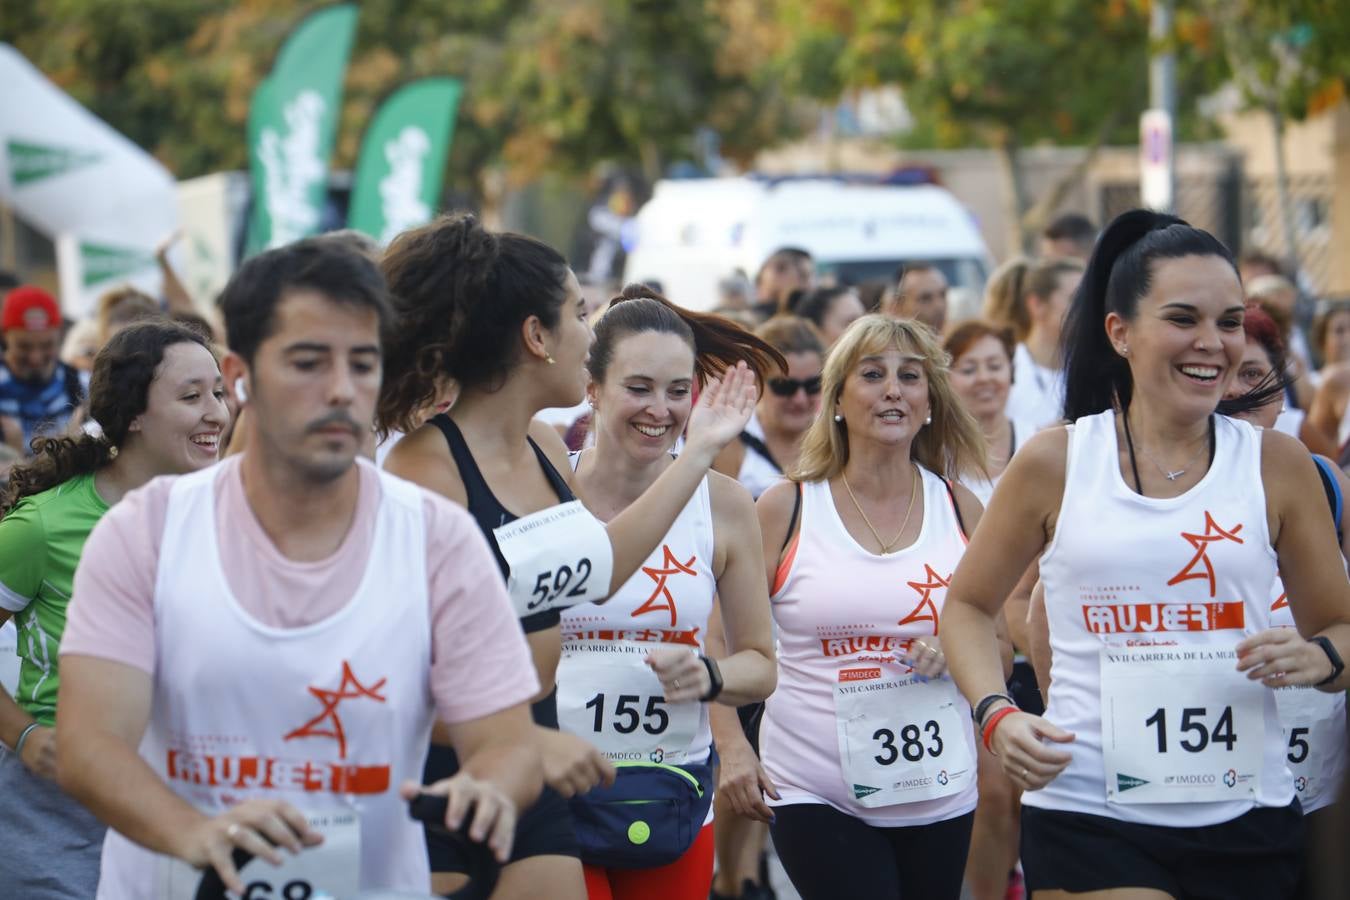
x,y
649,818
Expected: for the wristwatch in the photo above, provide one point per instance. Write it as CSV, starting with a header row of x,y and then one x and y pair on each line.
x,y
714,676
1337,664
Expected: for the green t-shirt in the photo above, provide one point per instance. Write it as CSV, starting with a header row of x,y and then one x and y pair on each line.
x,y
40,543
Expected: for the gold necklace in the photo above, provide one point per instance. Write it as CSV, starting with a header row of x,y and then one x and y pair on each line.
x,y
913,493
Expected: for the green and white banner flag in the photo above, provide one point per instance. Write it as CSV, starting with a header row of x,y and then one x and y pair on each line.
x,y
292,126
403,153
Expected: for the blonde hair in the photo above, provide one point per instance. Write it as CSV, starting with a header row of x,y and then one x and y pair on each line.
x,y
1003,298
950,445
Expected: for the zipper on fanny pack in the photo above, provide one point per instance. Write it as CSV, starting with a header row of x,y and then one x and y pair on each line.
x,y
669,768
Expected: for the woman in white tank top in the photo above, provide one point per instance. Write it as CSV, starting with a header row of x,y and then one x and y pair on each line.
x,y
645,646
866,741
1159,766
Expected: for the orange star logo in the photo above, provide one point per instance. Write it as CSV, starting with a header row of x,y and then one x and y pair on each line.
x,y
1201,544
669,566
926,610
350,689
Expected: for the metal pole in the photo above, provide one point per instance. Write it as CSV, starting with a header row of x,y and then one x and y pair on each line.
x,y
1162,79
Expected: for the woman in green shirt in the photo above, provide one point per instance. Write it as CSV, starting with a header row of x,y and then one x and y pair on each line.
x,y
156,394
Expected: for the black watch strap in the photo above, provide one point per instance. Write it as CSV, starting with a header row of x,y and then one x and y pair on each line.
x,y
1337,664
714,677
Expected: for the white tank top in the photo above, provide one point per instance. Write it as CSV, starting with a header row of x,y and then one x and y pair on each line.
x,y
667,602
329,717
844,616
1314,727
1138,585
983,488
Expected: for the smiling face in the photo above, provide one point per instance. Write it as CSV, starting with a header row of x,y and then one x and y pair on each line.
x,y
794,413
982,377
647,395
1186,339
185,412
884,398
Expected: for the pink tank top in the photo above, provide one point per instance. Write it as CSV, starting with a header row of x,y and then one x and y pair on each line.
x,y
846,617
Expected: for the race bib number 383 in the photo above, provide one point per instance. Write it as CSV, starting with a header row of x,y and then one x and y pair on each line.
x,y
901,740
1179,725
557,557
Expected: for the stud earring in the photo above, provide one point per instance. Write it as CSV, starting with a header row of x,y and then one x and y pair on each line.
x,y
838,418
1124,350
929,419
550,360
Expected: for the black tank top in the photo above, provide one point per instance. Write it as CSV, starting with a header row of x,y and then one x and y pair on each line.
x,y
489,512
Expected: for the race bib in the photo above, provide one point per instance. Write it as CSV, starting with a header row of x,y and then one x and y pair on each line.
x,y
1314,733
556,558
330,871
9,657
901,740
609,696
1179,725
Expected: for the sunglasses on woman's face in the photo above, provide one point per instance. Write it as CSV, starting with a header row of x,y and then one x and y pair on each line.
x,y
788,387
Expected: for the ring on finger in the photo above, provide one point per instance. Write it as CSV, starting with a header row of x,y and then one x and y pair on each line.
x,y
676,682
232,832
1024,773
932,650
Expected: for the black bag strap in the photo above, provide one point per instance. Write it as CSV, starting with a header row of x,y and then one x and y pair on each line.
x,y
759,447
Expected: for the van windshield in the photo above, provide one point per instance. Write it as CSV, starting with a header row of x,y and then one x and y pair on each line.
x,y
965,272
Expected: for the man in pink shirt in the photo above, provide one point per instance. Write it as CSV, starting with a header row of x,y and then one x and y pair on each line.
x,y
255,654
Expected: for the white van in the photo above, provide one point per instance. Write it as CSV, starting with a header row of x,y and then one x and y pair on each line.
x,y
695,232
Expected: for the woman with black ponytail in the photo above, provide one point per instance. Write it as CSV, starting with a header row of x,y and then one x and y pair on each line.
x,y
502,316
1159,767
156,394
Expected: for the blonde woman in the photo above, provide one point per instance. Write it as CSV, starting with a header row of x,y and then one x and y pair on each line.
x,y
867,747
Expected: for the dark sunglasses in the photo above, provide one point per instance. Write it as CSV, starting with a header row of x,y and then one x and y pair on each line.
x,y
788,387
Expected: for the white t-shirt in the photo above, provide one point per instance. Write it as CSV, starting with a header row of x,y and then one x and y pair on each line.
x,y
1037,394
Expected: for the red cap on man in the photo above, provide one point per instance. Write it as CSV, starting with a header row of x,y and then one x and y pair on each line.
x,y
29,308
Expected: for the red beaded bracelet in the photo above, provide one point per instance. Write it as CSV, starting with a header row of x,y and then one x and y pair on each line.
x,y
992,722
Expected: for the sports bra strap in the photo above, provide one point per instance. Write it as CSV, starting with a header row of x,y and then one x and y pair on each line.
x,y
956,507
1332,488
796,511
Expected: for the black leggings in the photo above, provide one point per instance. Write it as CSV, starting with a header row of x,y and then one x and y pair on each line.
x,y
829,854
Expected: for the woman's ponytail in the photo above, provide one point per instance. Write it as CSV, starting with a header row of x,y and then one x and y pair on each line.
x,y
718,342
1118,274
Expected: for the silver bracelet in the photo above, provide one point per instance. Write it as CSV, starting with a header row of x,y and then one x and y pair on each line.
x,y
23,736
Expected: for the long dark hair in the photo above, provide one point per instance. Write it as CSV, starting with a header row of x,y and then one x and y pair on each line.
x,y
718,343
460,295
1118,274
118,392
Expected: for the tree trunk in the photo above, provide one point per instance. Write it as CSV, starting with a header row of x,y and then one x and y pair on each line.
x,y
1282,189
1014,195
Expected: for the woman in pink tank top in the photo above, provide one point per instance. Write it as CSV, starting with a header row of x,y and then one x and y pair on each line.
x,y
866,741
